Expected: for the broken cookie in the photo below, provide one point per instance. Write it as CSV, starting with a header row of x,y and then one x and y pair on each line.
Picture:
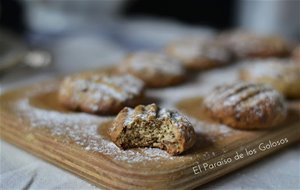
x,y
151,126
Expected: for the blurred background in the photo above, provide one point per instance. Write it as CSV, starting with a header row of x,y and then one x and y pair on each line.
x,y
63,36
44,39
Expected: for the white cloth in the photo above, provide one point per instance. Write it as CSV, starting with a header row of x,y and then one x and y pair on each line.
x,y
20,170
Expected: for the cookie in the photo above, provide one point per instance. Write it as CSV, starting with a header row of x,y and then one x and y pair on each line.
x,y
249,45
282,74
155,69
100,93
199,54
246,106
151,126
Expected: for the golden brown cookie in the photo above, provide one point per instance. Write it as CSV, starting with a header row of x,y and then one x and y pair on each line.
x,y
282,74
246,106
155,69
249,45
100,93
151,126
199,54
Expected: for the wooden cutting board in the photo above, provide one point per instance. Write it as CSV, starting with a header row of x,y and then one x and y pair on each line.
x,y
32,119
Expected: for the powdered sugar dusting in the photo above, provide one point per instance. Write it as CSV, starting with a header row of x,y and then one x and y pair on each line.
x,y
190,49
279,69
42,118
153,63
220,131
83,130
102,87
155,112
239,98
244,43
177,119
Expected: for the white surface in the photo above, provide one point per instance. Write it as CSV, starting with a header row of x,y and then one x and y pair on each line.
x,y
20,170
278,171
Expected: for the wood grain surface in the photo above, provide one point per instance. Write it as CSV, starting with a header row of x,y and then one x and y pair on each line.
x,y
22,125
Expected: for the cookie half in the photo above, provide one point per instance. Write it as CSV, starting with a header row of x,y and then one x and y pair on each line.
x,y
151,126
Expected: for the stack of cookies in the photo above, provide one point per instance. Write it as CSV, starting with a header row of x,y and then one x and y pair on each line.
x,y
267,77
